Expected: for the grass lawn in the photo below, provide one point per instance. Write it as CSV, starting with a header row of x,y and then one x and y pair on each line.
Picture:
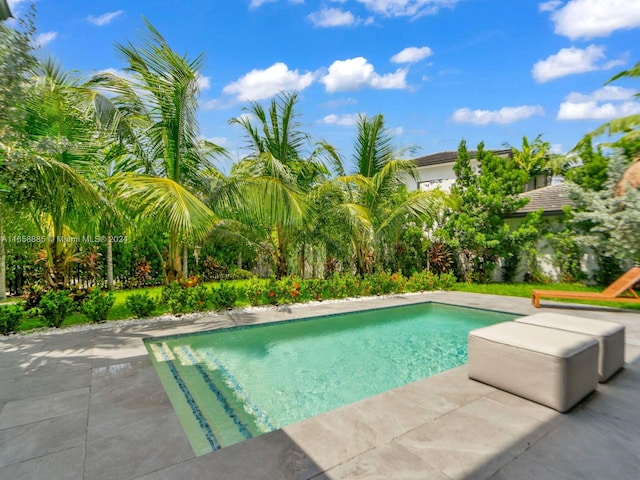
x,y
524,290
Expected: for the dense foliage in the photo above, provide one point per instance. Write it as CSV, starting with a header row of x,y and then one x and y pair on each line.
x,y
107,183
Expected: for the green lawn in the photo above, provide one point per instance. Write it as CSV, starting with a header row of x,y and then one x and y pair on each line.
x,y
524,290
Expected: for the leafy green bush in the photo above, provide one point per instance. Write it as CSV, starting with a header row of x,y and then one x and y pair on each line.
x,y
240,274
10,318
345,285
311,289
55,306
141,304
422,281
97,304
186,299
225,296
175,297
255,291
198,298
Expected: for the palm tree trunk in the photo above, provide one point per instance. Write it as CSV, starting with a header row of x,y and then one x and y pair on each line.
x,y
109,264
173,267
3,265
185,262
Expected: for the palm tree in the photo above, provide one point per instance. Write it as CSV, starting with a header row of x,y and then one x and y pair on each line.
x,y
536,159
16,64
375,202
153,113
274,178
61,135
5,12
628,125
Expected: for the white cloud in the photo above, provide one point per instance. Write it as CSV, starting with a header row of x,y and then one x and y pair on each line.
x,y
261,84
603,104
332,17
357,73
569,61
412,55
103,19
45,38
346,119
595,18
259,3
594,111
608,92
407,8
204,83
550,6
504,115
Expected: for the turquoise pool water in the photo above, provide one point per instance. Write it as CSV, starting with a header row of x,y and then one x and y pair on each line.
x,y
231,384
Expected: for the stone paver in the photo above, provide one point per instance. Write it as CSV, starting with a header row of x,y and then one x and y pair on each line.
x,y
90,405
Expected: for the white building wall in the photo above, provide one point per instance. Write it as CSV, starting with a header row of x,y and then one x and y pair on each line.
x,y
435,176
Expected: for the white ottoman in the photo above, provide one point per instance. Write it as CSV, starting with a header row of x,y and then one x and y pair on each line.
x,y
553,367
610,336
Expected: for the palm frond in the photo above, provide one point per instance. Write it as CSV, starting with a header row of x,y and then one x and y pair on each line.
x,y
167,201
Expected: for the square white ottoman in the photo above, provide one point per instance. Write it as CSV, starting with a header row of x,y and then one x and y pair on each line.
x,y
553,367
610,336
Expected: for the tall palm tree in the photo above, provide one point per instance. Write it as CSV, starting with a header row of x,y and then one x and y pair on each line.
x,y
61,135
153,111
276,175
16,65
375,201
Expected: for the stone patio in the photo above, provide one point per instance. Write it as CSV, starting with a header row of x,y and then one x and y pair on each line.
x,y
89,405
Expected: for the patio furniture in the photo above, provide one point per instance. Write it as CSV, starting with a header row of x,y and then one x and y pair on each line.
x,y
610,336
612,293
553,367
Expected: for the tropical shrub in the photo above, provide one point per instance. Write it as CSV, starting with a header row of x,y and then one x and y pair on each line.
x,y
240,274
311,289
54,307
254,291
382,283
225,296
175,297
141,304
198,298
345,285
97,304
10,318
288,290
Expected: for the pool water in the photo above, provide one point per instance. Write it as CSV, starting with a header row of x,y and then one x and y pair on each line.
x,y
232,384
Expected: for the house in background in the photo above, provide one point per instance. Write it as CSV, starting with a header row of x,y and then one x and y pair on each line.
x,y
546,193
551,200
436,171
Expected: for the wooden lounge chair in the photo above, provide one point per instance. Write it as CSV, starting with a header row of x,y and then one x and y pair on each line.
x,y
613,293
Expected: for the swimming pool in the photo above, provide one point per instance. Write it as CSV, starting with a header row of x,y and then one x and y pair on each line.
x,y
231,384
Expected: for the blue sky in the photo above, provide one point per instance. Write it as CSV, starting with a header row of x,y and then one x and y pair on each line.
x,y
439,70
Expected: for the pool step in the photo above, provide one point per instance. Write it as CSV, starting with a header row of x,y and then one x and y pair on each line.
x,y
214,395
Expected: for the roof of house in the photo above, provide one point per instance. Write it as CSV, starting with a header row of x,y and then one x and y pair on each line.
x,y
550,199
450,157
